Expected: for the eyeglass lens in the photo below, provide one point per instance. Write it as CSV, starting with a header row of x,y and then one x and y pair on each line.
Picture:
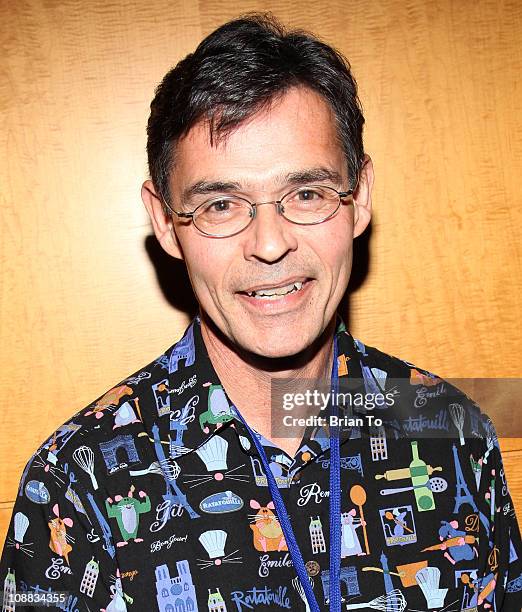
x,y
228,215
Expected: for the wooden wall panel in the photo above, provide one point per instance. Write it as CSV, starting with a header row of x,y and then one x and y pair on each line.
x,y
81,305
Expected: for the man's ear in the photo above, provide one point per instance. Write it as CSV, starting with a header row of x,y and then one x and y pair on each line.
x,y
362,197
161,221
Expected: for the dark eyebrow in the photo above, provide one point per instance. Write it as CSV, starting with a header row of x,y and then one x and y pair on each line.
x,y
313,175
203,187
299,177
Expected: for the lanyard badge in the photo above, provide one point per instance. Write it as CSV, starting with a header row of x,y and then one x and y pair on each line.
x,y
334,501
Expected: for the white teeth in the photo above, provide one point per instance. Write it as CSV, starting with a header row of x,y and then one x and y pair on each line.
x,y
278,291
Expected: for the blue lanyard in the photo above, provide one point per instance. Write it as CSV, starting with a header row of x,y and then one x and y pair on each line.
x,y
335,508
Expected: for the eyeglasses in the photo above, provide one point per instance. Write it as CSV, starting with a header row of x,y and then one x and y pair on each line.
x,y
225,216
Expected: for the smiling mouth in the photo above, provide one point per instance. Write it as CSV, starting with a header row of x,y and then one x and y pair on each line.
x,y
276,292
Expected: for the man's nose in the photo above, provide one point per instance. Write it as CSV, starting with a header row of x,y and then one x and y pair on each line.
x,y
270,235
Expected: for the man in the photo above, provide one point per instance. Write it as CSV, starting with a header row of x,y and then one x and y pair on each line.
x,y
183,487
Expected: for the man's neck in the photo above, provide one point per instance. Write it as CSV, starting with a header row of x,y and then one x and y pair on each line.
x,y
247,377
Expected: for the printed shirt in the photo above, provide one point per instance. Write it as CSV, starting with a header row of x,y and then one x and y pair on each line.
x,y
154,497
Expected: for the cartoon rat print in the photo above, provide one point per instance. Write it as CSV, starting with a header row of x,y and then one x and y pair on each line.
x,y
456,543
127,512
267,531
59,542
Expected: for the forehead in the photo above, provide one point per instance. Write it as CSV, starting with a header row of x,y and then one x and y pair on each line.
x,y
298,130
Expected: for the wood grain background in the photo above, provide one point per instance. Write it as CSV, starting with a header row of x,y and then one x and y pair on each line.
x,y
87,297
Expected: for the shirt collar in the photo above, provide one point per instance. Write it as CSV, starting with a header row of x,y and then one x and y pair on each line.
x,y
204,408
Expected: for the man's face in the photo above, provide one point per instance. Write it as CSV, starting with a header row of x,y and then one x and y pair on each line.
x,y
297,134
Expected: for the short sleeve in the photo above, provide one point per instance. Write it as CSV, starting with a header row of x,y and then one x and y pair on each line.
x,y
504,561
55,550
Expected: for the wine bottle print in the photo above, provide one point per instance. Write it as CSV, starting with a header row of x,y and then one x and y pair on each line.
x,y
420,478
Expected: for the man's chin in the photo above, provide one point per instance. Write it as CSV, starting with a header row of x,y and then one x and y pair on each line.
x,y
276,341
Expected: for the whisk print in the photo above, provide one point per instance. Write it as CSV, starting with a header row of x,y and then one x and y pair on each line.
x,y
457,416
491,439
393,601
170,468
296,583
84,457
